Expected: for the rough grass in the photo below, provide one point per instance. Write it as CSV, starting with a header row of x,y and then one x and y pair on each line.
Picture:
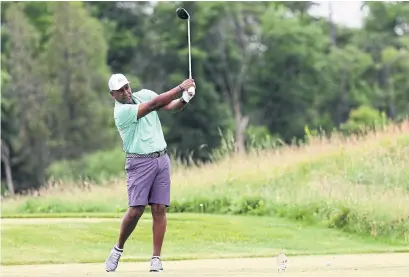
x,y
359,184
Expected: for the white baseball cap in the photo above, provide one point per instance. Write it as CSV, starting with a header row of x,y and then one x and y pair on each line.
x,y
117,81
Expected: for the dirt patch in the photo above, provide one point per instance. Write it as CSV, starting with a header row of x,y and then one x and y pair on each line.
x,y
373,265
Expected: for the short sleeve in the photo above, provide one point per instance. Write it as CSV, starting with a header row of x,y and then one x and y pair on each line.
x,y
147,94
152,94
127,115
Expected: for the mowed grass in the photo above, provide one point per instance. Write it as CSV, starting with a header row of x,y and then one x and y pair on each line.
x,y
189,236
359,185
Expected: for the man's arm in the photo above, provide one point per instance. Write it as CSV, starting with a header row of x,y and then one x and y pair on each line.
x,y
180,103
161,100
177,104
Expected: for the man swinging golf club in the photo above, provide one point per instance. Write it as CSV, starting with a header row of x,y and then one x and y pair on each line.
x,y
147,163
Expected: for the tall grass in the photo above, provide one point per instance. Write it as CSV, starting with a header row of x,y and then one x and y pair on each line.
x,y
359,184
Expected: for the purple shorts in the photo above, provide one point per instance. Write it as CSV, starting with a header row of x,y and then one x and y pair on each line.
x,y
148,181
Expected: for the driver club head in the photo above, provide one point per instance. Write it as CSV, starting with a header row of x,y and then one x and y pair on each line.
x,y
182,13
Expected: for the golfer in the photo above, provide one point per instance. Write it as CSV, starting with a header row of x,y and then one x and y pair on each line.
x,y
147,162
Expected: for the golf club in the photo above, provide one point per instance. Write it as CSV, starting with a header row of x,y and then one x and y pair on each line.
x,y
183,14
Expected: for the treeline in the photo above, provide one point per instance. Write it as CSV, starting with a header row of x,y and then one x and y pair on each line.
x,y
264,70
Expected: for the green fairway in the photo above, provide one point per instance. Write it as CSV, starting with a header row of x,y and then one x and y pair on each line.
x,y
30,241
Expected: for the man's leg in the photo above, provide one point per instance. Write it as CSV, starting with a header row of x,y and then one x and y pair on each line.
x,y
159,199
141,173
158,227
128,224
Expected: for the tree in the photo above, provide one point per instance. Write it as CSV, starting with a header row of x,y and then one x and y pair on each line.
x,y
6,115
289,77
385,37
343,73
24,93
234,35
78,99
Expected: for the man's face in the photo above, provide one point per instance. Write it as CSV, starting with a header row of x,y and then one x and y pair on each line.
x,y
123,95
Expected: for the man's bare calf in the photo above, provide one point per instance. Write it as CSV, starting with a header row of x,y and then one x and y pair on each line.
x,y
158,228
128,224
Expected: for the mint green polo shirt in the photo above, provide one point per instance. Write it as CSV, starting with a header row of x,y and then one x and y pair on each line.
x,y
139,135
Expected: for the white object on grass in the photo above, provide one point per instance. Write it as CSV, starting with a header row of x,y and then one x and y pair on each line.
x,y
281,261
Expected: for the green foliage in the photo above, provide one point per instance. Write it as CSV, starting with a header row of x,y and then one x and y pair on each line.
x,y
26,129
294,54
98,166
364,119
77,77
259,137
267,64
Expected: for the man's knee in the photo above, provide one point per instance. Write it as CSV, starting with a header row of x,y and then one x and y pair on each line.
x,y
158,211
135,212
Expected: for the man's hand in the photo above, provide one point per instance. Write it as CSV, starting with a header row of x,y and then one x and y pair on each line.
x,y
189,93
186,84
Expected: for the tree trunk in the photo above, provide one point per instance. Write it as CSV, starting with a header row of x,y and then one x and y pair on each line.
x,y
241,124
5,158
9,177
332,26
388,87
343,108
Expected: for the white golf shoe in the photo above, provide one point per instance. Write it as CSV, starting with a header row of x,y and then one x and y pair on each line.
x,y
156,264
112,261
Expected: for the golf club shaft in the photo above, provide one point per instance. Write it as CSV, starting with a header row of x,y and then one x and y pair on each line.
x,y
190,54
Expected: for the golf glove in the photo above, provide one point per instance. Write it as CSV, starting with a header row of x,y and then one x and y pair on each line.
x,y
188,94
